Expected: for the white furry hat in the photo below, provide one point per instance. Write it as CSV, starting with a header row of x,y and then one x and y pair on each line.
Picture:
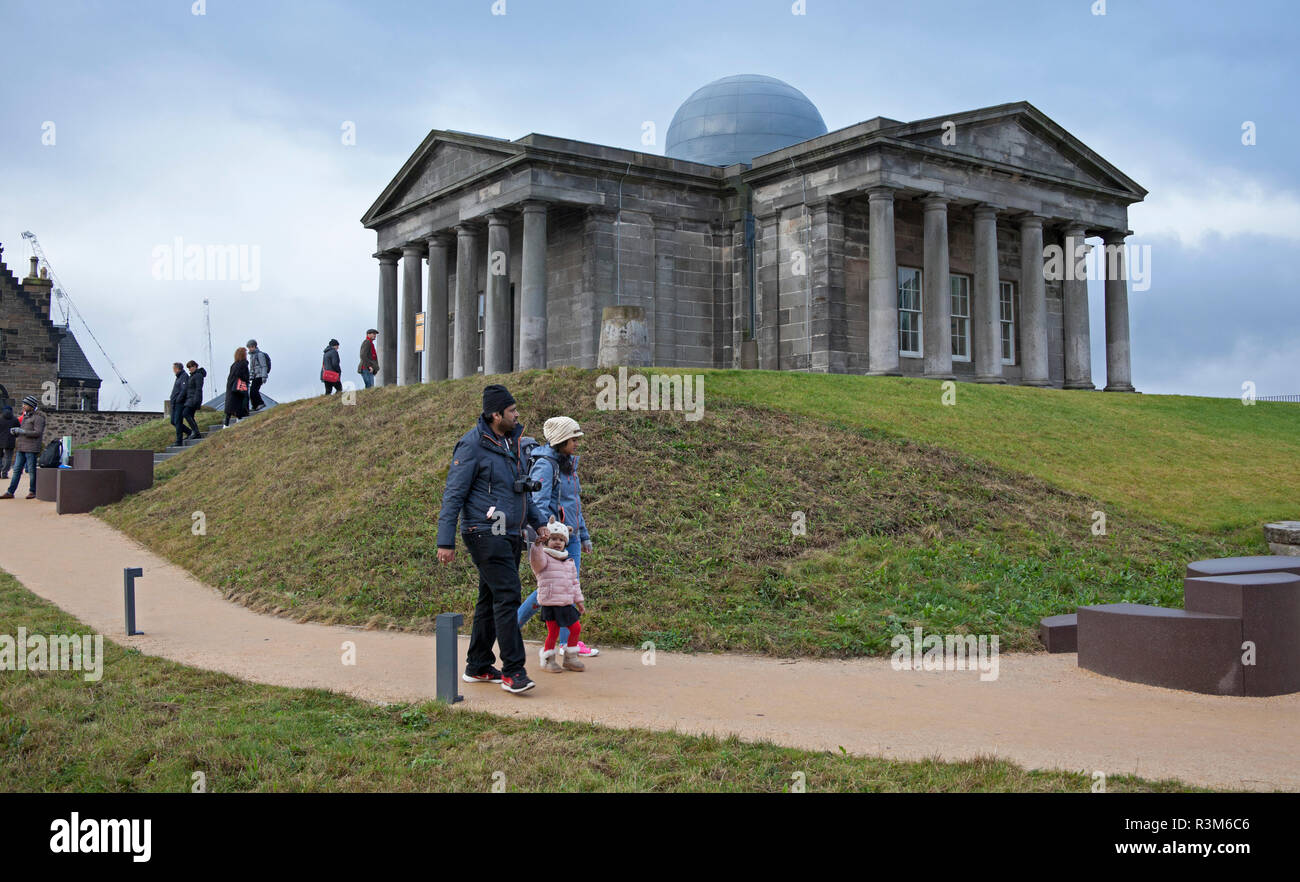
x,y
557,528
560,429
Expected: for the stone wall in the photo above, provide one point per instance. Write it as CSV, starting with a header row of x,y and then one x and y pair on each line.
x,y
28,347
91,425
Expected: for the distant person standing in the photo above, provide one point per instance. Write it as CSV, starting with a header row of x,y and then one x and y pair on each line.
x,y
7,421
259,371
29,436
237,387
369,365
194,397
331,368
180,391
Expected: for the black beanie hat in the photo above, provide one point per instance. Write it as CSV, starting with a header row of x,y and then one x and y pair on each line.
x,y
496,398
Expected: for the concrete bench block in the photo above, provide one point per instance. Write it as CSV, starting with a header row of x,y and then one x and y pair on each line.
x,y
1228,566
47,481
1060,633
1174,648
80,490
1283,538
137,464
1268,605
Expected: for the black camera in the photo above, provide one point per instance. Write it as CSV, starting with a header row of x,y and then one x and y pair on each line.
x,y
527,485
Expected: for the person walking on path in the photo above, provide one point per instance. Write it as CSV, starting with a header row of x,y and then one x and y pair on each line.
x,y
488,491
180,391
237,387
555,468
560,596
29,436
259,371
194,397
331,368
7,421
369,365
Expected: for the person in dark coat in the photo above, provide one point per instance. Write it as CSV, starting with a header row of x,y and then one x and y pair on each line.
x,y
330,362
194,397
7,421
237,387
180,391
369,364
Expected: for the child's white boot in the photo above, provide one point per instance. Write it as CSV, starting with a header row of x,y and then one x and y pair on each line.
x,y
549,663
571,660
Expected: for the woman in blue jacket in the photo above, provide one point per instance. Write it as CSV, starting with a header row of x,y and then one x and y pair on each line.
x,y
555,466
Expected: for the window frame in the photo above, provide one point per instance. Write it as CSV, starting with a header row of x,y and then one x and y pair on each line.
x,y
1003,323
954,280
919,352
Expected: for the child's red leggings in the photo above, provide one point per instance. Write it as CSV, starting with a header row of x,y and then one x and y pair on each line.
x,y
553,634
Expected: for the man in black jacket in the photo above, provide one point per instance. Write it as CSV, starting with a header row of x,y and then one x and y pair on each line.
x,y
194,397
180,391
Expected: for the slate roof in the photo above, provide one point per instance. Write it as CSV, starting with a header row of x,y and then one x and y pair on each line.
x,y
73,364
219,403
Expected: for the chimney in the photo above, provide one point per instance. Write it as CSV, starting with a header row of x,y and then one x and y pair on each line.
x,y
38,288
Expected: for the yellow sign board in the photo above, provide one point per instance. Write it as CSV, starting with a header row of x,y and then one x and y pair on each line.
x,y
419,332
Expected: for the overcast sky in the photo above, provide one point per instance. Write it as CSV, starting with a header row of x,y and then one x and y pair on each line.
x,y
226,128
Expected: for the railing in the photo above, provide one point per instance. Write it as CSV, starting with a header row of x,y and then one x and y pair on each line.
x,y
1295,399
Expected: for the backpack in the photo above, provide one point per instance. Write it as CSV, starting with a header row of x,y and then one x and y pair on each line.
x,y
52,456
527,445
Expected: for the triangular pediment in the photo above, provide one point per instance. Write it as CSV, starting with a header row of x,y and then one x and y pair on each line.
x,y
1021,136
440,162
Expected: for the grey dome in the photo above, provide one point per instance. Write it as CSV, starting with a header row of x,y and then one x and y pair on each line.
x,y
737,118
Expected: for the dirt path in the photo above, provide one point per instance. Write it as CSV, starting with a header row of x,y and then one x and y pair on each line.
x,y
1042,711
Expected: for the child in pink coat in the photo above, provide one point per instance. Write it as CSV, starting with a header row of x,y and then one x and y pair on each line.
x,y
559,596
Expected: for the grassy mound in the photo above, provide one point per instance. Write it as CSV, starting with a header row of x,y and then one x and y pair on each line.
x,y
157,435
322,510
150,724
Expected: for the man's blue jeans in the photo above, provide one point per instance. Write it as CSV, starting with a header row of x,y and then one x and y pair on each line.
x,y
21,459
368,378
528,608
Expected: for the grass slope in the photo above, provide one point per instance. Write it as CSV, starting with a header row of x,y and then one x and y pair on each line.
x,y
1204,463
149,724
157,435
326,511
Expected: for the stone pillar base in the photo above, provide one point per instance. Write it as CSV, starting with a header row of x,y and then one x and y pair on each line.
x,y
993,378
1122,388
624,338
1089,386
1042,384
749,355
884,373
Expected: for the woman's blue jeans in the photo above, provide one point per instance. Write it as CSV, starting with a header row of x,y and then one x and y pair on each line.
x,y
528,608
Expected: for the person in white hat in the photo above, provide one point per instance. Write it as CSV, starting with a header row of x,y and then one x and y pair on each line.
x,y
555,467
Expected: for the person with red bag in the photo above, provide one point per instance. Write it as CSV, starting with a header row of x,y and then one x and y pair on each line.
x,y
237,387
331,368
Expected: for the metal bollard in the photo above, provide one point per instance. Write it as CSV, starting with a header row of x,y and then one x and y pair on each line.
x,y
447,656
128,592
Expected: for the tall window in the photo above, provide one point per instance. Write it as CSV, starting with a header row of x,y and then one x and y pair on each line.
x,y
1007,320
909,312
481,302
960,286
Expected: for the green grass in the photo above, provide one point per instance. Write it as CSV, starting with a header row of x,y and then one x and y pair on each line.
x,y
150,724
334,519
1204,463
157,435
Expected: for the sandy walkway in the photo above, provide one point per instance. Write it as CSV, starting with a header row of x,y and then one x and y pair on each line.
x,y
1042,712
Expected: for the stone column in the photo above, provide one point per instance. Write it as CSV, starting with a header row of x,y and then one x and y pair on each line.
x,y
435,315
1118,369
598,280
664,337
1033,304
986,329
827,319
497,312
532,307
1074,309
387,323
936,306
882,290
408,362
768,287
465,350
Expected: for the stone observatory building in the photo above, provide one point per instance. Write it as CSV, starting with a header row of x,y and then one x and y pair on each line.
x,y
760,240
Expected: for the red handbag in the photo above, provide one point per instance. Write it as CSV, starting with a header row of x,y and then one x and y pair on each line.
x,y
241,386
329,376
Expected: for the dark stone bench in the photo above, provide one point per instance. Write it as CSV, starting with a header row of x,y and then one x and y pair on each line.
x,y
1228,566
137,464
47,483
1174,648
1268,605
1060,633
80,490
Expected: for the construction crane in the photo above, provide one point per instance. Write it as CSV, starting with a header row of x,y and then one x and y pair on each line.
x,y
207,329
65,303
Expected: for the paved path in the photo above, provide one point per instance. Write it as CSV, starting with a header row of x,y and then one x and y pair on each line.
x,y
1042,711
